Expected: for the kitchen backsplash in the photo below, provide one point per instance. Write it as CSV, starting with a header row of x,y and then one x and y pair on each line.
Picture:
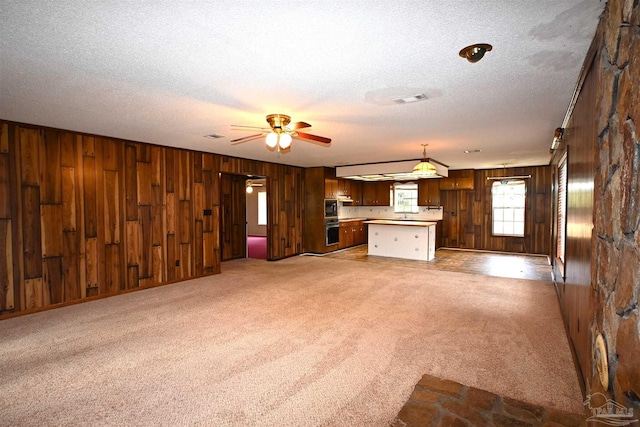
x,y
384,212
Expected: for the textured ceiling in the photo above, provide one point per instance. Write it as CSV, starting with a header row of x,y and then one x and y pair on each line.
x,y
171,72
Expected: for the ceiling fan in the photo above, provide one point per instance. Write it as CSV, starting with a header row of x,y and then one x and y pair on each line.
x,y
280,132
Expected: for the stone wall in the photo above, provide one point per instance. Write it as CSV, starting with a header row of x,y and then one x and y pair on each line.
x,y
616,255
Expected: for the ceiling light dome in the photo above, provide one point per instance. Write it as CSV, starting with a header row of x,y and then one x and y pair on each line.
x,y
285,141
272,140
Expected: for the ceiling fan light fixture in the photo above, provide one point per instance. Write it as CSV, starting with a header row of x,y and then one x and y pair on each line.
x,y
280,134
285,141
279,121
272,140
475,52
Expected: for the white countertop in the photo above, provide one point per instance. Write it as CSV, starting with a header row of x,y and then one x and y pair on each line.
x,y
401,222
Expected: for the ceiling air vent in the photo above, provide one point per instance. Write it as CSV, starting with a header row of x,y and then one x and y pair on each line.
x,y
214,136
410,99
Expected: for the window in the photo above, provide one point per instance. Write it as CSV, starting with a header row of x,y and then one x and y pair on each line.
x,y
262,208
562,212
507,199
405,198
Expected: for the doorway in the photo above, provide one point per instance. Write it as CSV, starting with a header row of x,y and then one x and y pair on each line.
x,y
243,217
256,203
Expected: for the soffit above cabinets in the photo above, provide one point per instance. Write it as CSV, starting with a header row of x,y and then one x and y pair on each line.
x,y
389,171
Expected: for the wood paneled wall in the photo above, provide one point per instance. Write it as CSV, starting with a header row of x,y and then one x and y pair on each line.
x,y
84,216
574,290
467,214
599,294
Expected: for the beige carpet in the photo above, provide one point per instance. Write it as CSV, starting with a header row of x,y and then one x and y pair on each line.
x,y
305,341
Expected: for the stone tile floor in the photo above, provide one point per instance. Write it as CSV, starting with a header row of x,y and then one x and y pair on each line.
x,y
442,403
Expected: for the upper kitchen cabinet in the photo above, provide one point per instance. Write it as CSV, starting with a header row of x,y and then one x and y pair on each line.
x,y
458,180
356,193
344,187
429,192
351,190
330,185
376,193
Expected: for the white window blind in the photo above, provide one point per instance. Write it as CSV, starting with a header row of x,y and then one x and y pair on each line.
x,y
562,210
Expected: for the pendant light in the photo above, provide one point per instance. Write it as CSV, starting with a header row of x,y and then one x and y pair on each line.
x,y
424,168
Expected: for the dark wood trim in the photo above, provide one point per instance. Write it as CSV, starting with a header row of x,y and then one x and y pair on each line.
x,y
593,50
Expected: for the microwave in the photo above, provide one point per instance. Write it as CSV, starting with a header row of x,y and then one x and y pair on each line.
x,y
330,208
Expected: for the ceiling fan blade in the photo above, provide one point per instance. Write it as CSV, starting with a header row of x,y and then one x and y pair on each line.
x,y
242,127
299,125
314,137
245,139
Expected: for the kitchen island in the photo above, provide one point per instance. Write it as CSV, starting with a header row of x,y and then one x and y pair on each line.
x,y
402,239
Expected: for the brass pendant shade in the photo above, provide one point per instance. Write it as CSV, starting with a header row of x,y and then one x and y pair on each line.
x,y
424,168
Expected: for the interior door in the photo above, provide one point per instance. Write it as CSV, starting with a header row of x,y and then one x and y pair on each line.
x,y
233,218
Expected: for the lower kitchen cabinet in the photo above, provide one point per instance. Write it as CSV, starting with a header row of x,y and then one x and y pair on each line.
x,y
346,235
352,233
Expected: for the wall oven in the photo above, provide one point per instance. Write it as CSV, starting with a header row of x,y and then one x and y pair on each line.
x,y
332,231
330,208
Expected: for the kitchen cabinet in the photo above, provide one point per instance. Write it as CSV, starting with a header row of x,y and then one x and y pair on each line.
x,y
429,192
376,193
356,193
346,235
330,188
458,180
360,236
352,233
344,187
351,189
